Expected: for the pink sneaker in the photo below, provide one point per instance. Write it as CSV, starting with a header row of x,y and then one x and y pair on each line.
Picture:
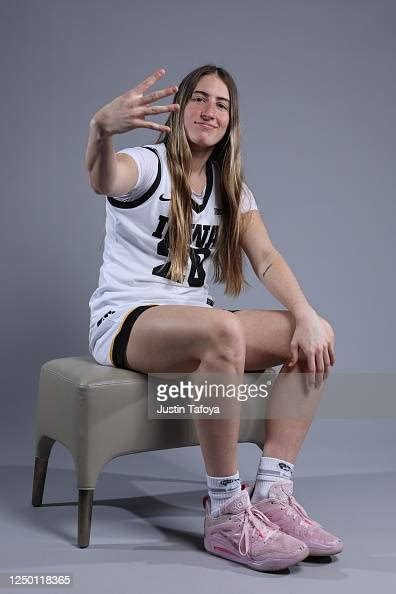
x,y
283,509
243,534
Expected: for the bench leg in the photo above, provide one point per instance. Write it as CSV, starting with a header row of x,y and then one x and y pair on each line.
x,y
44,448
40,472
85,501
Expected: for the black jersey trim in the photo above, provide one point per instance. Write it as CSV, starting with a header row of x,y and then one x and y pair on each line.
x,y
197,207
133,203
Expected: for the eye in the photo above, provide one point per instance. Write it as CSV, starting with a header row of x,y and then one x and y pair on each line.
x,y
201,99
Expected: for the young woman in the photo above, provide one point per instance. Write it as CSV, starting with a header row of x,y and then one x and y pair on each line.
x,y
171,207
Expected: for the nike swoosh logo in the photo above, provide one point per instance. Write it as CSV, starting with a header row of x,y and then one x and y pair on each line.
x,y
163,199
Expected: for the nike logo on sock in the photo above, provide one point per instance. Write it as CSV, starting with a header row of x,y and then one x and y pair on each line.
x,y
284,466
226,482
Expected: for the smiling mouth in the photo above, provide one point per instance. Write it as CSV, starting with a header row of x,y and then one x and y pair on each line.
x,y
206,126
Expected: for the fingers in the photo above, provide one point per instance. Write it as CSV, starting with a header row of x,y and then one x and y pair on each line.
x,y
294,355
320,373
156,95
152,125
162,108
143,111
331,354
320,369
330,346
311,369
327,361
317,365
150,80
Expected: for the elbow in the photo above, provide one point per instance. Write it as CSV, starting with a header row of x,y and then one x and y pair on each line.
x,y
94,188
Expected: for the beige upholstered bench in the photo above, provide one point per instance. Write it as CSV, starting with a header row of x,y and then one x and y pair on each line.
x,y
98,413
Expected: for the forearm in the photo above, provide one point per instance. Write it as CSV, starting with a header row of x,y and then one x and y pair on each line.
x,y
100,159
278,278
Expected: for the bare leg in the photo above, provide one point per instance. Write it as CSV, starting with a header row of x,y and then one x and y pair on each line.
x,y
290,411
183,339
219,437
291,406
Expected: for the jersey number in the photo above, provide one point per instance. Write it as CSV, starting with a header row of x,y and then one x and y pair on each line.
x,y
196,277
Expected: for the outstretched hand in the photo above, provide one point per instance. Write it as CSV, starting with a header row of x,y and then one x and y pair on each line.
x,y
129,110
315,338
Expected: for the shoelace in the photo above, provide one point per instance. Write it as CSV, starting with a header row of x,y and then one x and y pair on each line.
x,y
299,511
253,516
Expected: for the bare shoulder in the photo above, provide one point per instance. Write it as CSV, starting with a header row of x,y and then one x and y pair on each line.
x,y
127,175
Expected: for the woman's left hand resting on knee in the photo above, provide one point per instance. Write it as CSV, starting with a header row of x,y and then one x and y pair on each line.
x,y
315,337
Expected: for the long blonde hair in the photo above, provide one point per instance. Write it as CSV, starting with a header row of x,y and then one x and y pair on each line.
x,y
227,256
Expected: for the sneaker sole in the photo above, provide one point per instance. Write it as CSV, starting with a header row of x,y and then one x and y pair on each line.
x,y
325,551
272,564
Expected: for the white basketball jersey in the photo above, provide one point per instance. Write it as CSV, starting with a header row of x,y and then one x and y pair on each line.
x,y
135,254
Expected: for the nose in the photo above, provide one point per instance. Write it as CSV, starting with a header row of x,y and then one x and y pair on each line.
x,y
208,111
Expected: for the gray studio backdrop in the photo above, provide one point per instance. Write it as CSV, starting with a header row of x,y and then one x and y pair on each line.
x,y
317,96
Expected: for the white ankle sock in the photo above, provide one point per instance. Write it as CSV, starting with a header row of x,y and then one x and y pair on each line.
x,y
220,489
269,471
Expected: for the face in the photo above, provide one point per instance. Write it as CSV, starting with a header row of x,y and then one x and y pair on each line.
x,y
210,105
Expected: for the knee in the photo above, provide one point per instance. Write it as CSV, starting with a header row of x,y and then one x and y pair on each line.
x,y
226,337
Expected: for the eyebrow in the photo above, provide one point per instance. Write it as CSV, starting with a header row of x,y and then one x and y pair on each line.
x,y
207,95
